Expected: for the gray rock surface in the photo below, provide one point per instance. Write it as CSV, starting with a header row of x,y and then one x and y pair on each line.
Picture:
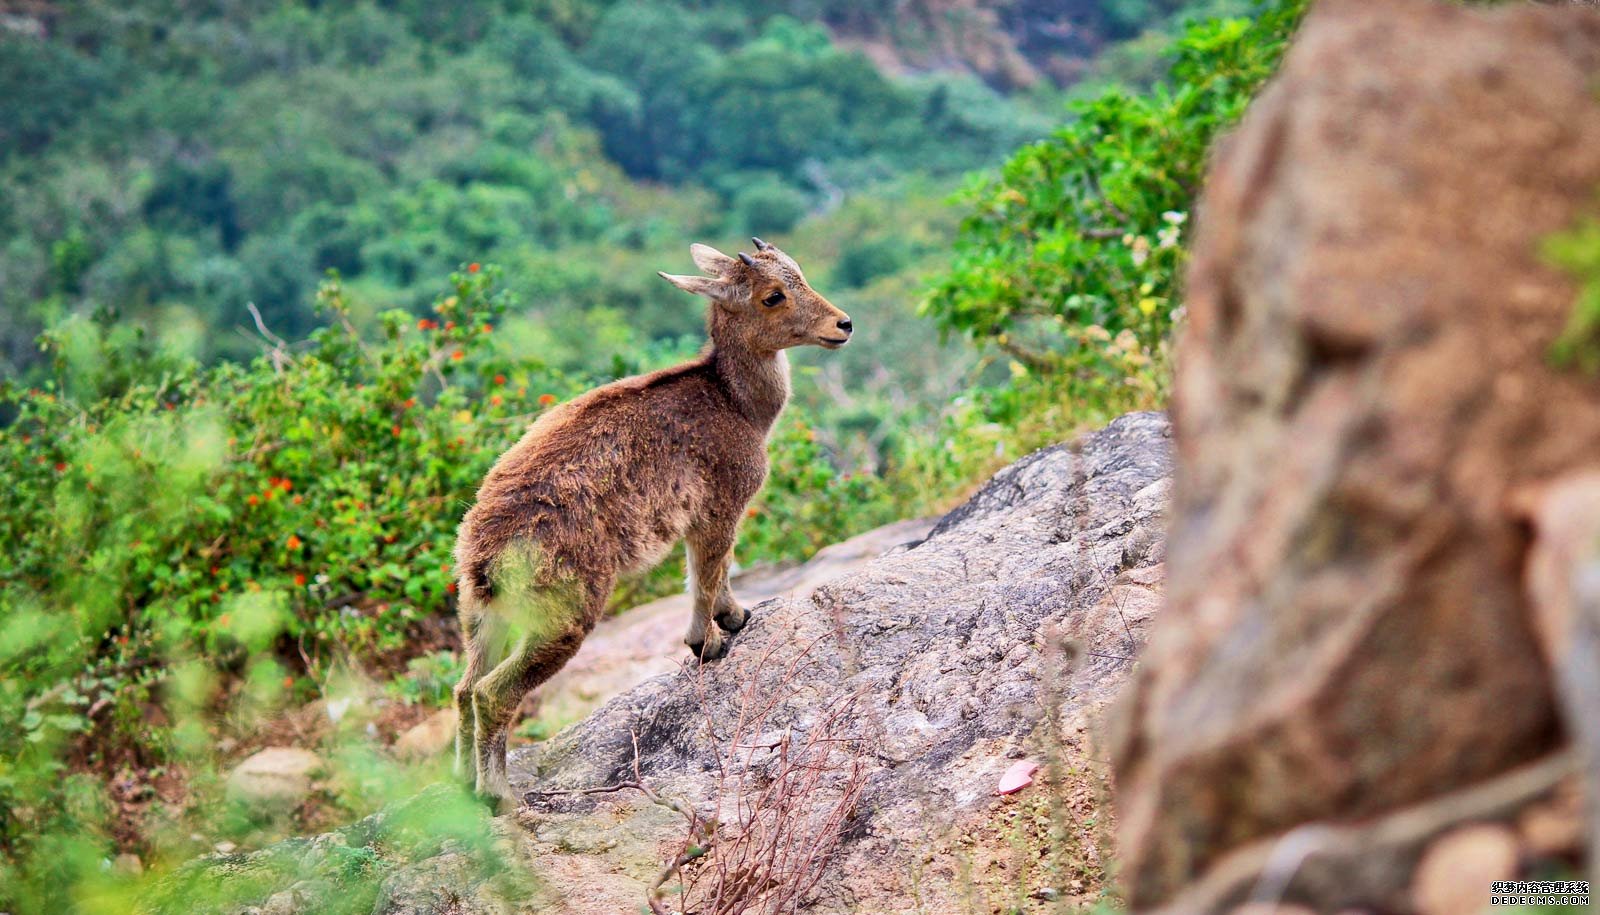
x,y
945,656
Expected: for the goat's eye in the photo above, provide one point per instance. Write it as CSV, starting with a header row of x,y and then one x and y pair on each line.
x,y
773,299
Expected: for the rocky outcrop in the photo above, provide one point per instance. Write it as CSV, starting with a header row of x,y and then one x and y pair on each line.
x,y
1349,667
908,687
628,649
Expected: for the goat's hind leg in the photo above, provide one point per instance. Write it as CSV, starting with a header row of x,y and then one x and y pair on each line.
x,y
483,646
537,655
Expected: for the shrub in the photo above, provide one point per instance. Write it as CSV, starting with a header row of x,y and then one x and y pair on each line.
x,y
1084,230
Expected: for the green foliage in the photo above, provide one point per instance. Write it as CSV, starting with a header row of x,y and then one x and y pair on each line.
x,y
179,161
1080,237
176,528
1578,252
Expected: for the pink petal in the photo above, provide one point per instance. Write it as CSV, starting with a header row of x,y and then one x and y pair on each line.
x,y
1018,777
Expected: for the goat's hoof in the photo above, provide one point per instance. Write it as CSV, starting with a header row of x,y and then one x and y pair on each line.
x,y
733,620
498,804
709,650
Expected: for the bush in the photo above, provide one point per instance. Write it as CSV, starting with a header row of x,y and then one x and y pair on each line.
x,y
183,535
1080,238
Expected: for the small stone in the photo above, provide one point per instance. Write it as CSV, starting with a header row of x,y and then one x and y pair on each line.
x,y
428,738
1018,777
1552,828
226,848
274,776
127,863
1455,872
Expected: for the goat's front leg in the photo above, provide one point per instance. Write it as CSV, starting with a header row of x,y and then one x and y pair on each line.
x,y
714,606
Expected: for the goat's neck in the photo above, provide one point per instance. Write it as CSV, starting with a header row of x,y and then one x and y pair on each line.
x,y
758,381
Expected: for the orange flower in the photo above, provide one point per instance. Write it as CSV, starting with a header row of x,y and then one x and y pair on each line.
x,y
300,579
426,324
488,328
546,400
288,683
293,542
410,402
474,267
285,485
254,499
396,430
450,587
752,512
297,500
449,325
445,568
458,355
499,379
497,400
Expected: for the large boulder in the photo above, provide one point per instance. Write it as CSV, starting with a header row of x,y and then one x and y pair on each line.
x,y
1348,667
881,710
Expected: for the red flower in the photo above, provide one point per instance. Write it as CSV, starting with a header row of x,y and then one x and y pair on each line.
x,y
300,579
497,400
546,400
427,324
297,500
61,467
474,267
499,379
293,542
254,499
396,430
410,402
450,587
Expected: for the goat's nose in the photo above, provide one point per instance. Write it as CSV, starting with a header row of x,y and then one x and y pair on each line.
x,y
845,325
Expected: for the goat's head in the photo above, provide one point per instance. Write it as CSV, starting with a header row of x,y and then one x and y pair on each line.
x,y
762,300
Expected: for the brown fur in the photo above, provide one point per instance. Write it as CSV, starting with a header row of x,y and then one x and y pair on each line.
x,y
608,482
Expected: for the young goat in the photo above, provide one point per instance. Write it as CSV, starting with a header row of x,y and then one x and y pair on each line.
x,y
608,482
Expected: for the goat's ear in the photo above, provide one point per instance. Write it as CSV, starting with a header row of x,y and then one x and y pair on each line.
x,y
699,285
711,260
